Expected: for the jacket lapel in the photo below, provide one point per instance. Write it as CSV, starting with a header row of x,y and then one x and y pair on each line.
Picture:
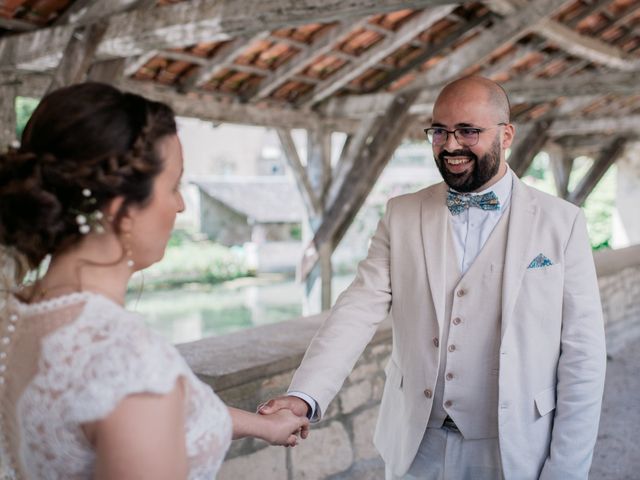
x,y
434,225
522,225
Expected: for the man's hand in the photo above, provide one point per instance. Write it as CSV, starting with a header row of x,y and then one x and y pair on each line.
x,y
296,405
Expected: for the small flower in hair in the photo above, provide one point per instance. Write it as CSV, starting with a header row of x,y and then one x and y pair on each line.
x,y
86,219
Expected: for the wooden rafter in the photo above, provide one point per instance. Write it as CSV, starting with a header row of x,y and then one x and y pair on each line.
x,y
384,48
385,136
509,29
78,55
309,197
232,112
587,48
520,91
223,58
529,146
607,157
303,59
433,50
186,23
561,163
629,125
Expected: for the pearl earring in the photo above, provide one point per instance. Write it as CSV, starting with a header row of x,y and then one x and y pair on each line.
x,y
128,251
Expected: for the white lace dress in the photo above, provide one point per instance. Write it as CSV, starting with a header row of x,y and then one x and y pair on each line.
x,y
70,361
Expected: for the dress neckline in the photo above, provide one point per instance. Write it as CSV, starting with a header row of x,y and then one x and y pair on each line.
x,y
55,303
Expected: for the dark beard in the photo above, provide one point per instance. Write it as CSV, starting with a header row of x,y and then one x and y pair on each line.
x,y
483,170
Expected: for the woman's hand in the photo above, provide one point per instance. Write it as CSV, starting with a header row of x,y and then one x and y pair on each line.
x,y
283,428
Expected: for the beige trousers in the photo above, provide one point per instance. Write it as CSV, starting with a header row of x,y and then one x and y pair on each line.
x,y
445,455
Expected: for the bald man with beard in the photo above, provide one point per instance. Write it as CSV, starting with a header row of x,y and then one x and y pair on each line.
x,y
498,360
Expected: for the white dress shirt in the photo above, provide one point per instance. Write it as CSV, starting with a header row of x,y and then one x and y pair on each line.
x,y
470,230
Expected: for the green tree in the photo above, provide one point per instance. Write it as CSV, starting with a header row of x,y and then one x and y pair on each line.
x,y
24,108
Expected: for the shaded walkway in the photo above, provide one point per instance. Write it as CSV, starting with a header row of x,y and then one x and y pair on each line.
x,y
617,454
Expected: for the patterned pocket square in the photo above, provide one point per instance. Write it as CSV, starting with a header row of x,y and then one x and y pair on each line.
x,y
540,261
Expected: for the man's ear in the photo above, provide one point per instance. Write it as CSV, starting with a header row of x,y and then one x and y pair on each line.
x,y
507,137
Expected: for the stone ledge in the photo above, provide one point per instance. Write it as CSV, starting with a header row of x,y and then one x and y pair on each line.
x,y
241,357
611,262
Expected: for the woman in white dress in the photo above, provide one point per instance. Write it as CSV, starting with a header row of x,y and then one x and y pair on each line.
x,y
86,389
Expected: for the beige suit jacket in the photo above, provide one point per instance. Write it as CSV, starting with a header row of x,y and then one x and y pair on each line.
x,y
552,352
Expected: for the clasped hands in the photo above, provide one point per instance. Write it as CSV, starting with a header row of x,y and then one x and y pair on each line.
x,y
289,419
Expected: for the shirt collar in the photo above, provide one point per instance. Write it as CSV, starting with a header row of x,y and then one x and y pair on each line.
x,y
502,188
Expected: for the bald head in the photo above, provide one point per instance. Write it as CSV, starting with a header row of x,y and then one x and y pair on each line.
x,y
479,88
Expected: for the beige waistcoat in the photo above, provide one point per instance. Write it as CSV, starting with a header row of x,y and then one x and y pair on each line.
x,y
467,385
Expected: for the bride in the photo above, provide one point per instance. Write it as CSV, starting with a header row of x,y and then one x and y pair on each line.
x,y
86,389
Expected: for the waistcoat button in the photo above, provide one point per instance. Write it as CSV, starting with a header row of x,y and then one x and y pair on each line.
x,y
427,393
452,348
461,292
436,342
448,403
457,321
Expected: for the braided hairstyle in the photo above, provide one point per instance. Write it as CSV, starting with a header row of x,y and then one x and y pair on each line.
x,y
86,136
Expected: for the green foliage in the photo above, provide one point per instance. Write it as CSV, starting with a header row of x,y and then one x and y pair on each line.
x,y
24,108
296,231
598,208
188,261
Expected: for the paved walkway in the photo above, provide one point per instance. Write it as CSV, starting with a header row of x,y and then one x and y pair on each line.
x,y
617,454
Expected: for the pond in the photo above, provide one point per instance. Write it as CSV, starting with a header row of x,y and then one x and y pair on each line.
x,y
198,311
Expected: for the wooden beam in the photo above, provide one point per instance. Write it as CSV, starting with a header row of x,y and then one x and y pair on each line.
x,y
186,23
433,50
587,48
207,108
529,146
629,125
309,197
561,163
85,12
386,135
319,160
303,59
223,58
594,7
600,166
385,47
354,146
509,29
107,71
509,60
78,55
529,91
17,25
8,95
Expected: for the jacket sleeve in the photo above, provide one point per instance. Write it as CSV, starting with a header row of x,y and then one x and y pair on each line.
x,y
581,365
350,325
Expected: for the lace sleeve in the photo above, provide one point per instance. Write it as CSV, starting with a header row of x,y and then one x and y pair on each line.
x,y
109,358
90,365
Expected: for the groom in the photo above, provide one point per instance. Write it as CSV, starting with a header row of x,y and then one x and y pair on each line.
x,y
498,361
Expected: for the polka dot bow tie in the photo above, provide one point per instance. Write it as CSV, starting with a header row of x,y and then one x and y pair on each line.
x,y
459,202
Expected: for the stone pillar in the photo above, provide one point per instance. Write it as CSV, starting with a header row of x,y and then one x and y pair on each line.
x,y
626,220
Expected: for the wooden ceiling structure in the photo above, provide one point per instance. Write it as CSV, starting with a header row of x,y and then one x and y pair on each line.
x,y
369,68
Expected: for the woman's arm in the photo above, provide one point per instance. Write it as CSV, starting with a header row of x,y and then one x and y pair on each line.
x,y
143,438
280,428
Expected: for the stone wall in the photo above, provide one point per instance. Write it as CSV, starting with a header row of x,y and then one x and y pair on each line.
x,y
246,368
619,280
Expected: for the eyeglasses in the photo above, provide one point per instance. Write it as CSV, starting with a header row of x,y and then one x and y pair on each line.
x,y
465,136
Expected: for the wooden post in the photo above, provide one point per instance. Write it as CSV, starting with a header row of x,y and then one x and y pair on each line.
x,y
319,174
561,163
78,55
8,112
607,157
